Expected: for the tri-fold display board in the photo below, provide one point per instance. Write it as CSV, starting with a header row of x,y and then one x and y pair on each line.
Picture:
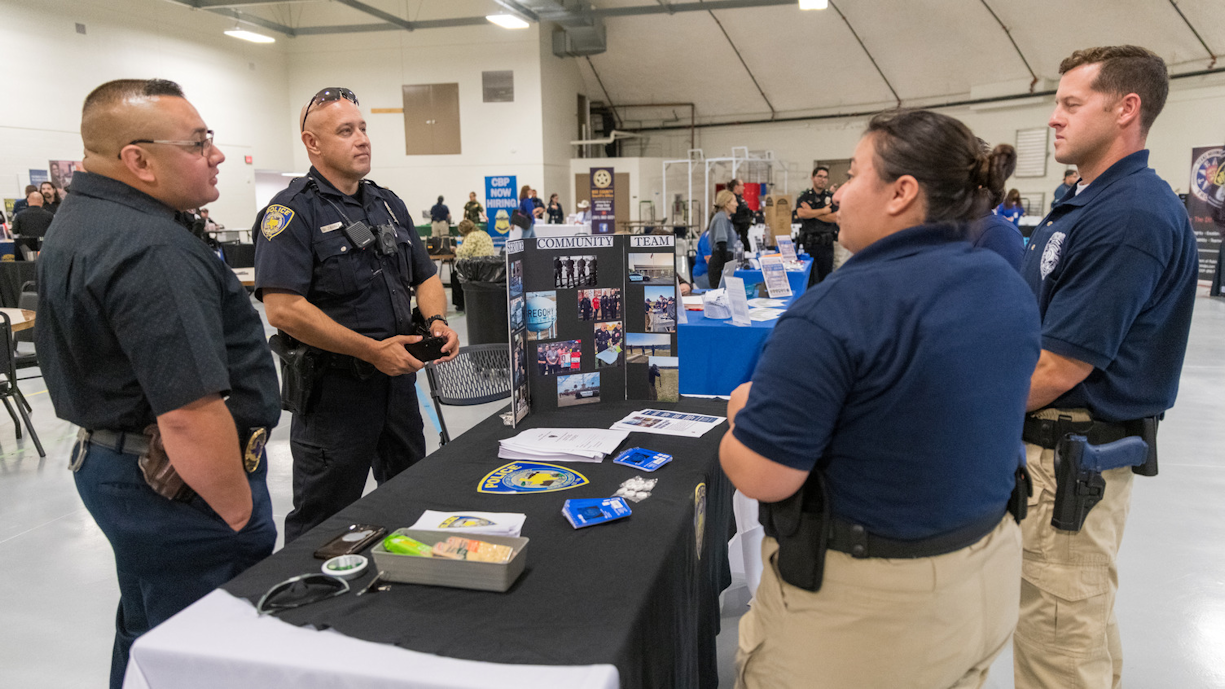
x,y
592,318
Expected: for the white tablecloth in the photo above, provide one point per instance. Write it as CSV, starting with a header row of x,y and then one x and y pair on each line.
x,y
220,641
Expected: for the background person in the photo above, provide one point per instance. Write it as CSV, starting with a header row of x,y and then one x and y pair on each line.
x,y
1069,182
722,236
741,216
554,210
994,232
23,202
892,393
1011,209
473,210
818,224
440,219
34,220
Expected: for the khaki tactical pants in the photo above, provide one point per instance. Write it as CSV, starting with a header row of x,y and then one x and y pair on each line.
x,y
1067,636
926,623
440,228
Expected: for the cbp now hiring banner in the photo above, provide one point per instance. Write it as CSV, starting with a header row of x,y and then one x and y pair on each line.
x,y
500,202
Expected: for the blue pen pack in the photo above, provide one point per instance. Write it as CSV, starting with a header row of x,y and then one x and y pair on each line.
x,y
640,458
592,511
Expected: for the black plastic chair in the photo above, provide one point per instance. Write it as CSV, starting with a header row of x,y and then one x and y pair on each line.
x,y
477,375
28,301
8,386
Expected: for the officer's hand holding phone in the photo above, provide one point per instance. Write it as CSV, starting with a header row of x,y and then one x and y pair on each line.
x,y
451,348
390,356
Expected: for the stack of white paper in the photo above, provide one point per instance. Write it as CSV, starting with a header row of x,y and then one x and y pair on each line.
x,y
668,423
491,523
561,444
763,314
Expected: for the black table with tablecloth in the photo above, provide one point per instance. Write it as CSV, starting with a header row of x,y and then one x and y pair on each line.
x,y
14,274
641,593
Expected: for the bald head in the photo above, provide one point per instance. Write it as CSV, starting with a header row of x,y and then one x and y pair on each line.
x,y
34,198
334,135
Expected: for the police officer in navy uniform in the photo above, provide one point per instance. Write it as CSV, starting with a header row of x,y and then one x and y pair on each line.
x,y
1114,269
742,217
326,287
818,230
883,420
148,341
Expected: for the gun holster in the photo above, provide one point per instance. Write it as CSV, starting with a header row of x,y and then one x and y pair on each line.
x,y
1079,484
1018,502
801,525
301,368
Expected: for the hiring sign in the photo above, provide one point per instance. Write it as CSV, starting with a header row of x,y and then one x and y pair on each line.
x,y
500,204
603,194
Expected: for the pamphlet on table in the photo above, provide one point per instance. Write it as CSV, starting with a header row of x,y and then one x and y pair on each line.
x,y
763,303
469,521
765,314
738,301
561,444
775,275
668,423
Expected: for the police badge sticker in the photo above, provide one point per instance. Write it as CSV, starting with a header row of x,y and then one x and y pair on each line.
x,y
255,450
1208,177
461,521
276,219
699,516
530,477
1050,253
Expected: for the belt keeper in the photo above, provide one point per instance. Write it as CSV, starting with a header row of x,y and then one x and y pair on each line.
x,y
859,542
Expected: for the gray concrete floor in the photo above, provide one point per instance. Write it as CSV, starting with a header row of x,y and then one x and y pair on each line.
x,y
58,592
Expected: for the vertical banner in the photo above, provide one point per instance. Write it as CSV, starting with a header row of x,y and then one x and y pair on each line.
x,y
517,315
501,200
603,194
37,177
1204,204
651,308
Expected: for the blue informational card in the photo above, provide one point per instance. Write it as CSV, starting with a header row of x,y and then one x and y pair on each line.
x,y
641,458
592,511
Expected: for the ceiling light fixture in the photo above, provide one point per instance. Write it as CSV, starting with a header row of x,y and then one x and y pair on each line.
x,y
250,36
507,21
814,4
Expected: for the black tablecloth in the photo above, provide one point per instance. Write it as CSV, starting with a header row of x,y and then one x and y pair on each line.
x,y
13,274
633,593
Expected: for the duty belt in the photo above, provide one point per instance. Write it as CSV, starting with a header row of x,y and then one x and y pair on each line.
x,y
1048,432
855,540
134,443
343,362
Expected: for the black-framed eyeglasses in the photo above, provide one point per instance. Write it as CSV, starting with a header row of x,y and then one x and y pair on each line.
x,y
202,147
328,95
303,589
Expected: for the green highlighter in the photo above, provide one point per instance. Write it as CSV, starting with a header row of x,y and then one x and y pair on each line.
x,y
403,545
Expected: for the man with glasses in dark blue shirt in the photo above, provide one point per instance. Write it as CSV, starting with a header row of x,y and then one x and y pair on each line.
x,y
150,344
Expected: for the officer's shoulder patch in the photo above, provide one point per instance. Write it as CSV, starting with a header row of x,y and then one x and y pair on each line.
x,y
276,219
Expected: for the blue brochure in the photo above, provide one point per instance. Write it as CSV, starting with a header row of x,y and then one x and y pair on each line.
x,y
640,458
592,511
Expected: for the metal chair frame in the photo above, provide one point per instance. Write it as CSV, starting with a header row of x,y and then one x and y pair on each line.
x,y
449,382
9,389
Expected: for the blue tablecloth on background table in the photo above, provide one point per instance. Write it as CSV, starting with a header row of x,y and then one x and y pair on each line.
x,y
798,279
716,356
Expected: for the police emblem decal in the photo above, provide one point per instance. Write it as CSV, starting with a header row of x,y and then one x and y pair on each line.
x,y
255,449
530,477
1208,177
276,219
1050,254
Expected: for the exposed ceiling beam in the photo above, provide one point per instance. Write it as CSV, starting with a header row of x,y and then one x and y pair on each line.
x,y
1197,36
211,4
773,112
376,12
257,21
365,28
518,8
866,52
1034,77
674,7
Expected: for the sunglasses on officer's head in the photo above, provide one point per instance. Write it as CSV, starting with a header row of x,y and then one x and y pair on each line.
x,y
328,95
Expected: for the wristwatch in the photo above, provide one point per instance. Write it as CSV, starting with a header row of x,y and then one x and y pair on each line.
x,y
429,321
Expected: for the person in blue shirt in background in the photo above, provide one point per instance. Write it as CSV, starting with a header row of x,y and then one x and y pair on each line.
x,y
885,415
1011,209
995,232
1070,176
701,265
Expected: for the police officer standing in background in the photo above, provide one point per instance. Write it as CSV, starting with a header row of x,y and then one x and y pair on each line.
x,y
1114,269
337,261
742,218
818,229
149,343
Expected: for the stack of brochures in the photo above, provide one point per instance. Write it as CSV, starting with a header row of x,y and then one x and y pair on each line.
x,y
668,423
469,521
562,444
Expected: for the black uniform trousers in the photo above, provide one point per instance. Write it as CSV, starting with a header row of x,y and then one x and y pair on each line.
x,y
354,426
819,245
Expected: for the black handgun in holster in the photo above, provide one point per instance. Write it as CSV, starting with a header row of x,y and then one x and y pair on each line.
x,y
801,525
1078,474
301,368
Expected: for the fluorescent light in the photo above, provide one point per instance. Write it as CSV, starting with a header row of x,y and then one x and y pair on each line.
x,y
293,174
814,4
250,36
507,21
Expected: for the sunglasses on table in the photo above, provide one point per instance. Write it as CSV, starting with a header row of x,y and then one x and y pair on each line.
x,y
301,590
327,95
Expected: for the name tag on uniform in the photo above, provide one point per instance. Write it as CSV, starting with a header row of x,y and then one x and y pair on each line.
x,y
328,228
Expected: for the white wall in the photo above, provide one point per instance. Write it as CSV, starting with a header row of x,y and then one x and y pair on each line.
x,y
1194,115
48,68
560,85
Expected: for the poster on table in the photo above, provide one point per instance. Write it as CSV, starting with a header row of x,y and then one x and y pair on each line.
x,y
517,316
651,297
603,198
61,172
574,326
37,177
1204,204
501,200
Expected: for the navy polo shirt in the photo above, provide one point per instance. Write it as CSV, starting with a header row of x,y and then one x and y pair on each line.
x,y
301,247
1114,269
905,375
439,212
999,235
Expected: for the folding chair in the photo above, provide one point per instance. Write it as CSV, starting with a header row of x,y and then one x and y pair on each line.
x,y
478,374
28,301
8,386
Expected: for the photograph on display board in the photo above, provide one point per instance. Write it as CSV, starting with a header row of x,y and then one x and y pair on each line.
x,y
663,375
517,313
652,269
660,306
518,364
583,388
599,304
575,271
541,318
639,347
61,172
609,341
515,278
553,358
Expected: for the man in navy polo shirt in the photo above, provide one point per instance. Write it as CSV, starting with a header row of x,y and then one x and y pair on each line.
x,y
1114,270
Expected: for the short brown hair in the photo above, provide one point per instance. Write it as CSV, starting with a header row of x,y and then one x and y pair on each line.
x,y
466,226
1127,69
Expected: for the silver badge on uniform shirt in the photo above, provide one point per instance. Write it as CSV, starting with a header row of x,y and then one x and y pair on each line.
x,y
328,228
1050,253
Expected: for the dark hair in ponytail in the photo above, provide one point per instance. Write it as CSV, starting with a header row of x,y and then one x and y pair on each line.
x,y
959,178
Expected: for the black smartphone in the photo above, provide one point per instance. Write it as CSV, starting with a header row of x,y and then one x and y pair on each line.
x,y
351,541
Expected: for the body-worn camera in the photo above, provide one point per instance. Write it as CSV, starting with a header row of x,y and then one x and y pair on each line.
x,y
386,235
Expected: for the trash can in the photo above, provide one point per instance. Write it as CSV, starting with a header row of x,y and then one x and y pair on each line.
x,y
483,280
